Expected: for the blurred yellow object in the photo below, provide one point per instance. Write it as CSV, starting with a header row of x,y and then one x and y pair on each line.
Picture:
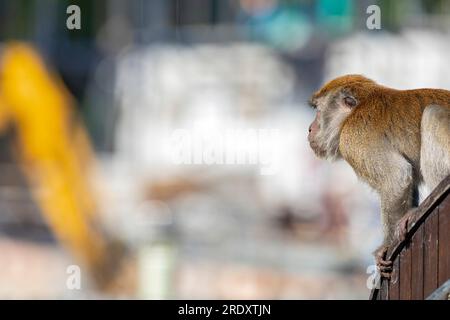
x,y
4,116
56,156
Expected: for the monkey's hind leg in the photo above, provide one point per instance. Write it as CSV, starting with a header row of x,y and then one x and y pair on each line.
x,y
435,145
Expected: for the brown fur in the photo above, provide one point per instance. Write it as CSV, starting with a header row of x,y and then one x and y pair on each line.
x,y
389,116
380,136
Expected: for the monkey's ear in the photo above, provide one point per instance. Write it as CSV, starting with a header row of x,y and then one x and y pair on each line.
x,y
350,101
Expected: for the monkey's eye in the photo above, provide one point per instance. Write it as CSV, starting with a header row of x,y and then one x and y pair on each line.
x,y
312,104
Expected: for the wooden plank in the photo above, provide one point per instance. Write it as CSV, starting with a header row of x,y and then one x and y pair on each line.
x,y
431,245
383,294
405,273
394,284
423,212
374,294
444,242
417,265
442,293
427,218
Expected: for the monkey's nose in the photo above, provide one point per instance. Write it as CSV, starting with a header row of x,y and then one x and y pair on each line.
x,y
309,129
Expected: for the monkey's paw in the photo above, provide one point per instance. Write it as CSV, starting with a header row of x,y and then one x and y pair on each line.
x,y
402,225
384,266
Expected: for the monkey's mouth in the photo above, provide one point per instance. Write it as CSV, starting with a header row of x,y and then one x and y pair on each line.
x,y
320,152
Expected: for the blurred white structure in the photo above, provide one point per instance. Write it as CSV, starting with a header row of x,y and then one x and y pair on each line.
x,y
228,215
414,58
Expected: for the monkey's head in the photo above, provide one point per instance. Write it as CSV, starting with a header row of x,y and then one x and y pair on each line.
x,y
334,102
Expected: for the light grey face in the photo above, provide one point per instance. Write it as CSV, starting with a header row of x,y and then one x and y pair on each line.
x,y
324,131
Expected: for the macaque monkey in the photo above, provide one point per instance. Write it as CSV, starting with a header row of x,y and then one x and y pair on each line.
x,y
394,140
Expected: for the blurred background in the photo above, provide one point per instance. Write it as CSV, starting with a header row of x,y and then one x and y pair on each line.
x,y
160,151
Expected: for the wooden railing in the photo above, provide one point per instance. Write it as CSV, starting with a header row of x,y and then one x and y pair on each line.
x,y
421,263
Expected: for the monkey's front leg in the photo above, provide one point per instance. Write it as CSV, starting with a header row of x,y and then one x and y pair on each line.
x,y
384,266
396,200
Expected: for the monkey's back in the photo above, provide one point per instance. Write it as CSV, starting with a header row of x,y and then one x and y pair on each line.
x,y
387,120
